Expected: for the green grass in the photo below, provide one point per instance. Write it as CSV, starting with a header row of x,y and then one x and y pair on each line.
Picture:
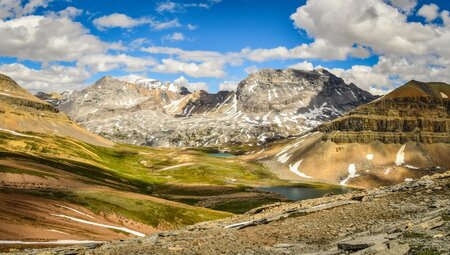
x,y
8,169
123,163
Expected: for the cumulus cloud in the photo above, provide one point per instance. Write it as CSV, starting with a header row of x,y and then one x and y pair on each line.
x,y
51,78
176,36
118,20
48,39
70,12
191,86
429,11
14,8
445,15
205,69
305,65
105,62
228,86
131,77
406,6
194,63
123,21
408,50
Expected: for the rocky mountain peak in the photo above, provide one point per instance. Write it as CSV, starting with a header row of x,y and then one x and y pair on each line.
x,y
275,90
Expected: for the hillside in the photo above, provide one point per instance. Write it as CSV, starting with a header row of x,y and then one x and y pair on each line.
x,y
403,135
408,218
20,111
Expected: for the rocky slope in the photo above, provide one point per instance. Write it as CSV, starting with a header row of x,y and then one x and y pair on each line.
x,y
268,105
403,135
21,111
408,218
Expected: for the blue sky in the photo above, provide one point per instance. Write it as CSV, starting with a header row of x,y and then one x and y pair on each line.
x,y
61,45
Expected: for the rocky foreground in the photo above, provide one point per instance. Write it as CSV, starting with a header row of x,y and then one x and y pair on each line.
x,y
408,218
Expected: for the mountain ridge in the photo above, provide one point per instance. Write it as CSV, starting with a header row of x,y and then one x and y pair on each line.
x,y
284,103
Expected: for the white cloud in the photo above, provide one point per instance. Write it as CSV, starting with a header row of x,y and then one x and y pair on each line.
x,y
205,69
172,7
390,32
191,86
251,69
131,77
123,21
118,20
157,25
391,72
48,39
228,86
168,7
104,63
429,11
445,15
138,43
408,50
192,27
14,8
51,78
305,65
176,36
406,6
70,12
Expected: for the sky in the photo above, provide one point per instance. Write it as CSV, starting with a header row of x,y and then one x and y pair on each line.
x,y
60,45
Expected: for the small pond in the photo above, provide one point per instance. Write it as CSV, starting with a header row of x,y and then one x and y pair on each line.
x,y
305,192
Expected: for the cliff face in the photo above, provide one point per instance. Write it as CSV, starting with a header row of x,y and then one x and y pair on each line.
x,y
268,105
403,135
418,112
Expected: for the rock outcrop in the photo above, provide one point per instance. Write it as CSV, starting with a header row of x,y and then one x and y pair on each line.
x,y
268,105
403,135
418,112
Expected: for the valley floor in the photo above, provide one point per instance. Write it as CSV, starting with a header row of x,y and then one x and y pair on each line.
x,y
408,218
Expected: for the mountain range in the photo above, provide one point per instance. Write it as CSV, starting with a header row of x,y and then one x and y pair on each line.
x,y
268,105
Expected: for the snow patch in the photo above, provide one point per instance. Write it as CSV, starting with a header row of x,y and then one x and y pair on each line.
x,y
294,168
443,95
351,174
100,225
74,210
369,156
400,160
